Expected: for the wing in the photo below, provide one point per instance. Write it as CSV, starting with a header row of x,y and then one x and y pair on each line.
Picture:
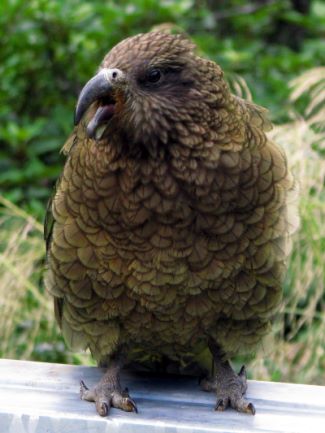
x,y
49,223
49,219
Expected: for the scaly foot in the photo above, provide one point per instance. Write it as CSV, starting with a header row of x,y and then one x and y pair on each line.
x,y
230,388
105,396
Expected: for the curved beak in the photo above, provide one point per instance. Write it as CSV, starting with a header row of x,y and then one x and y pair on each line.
x,y
100,86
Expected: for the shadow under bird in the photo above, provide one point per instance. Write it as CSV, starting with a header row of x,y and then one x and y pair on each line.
x,y
168,232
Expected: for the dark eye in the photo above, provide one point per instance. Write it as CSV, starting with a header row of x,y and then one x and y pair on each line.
x,y
153,76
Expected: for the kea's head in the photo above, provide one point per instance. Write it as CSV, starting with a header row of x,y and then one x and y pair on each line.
x,y
152,89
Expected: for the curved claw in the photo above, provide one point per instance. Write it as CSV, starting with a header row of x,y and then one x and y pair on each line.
x,y
251,409
102,408
83,386
122,400
128,401
221,405
242,405
242,372
86,393
242,376
131,404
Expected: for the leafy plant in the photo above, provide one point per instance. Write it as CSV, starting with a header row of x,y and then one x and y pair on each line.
x,y
50,48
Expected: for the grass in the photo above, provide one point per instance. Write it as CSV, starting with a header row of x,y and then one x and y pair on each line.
x,y
27,326
297,343
296,347
298,340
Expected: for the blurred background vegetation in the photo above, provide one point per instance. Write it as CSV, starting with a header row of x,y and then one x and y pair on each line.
x,y
270,49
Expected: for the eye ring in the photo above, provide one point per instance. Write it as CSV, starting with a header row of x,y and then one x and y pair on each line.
x,y
154,75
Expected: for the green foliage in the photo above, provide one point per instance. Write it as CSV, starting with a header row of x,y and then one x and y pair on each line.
x,y
49,48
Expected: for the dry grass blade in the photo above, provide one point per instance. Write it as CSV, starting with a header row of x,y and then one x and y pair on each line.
x,y
27,324
21,258
311,84
298,349
239,86
307,81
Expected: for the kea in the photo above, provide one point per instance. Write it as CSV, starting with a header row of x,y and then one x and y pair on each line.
x,y
168,232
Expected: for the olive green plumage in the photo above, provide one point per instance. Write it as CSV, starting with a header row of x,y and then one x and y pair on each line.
x,y
173,225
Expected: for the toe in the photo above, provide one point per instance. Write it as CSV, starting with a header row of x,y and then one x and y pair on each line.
x,y
102,407
86,393
222,404
97,395
124,401
242,378
242,372
251,408
242,405
130,405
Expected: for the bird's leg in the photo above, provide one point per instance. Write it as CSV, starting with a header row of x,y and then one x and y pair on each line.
x,y
108,391
229,386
